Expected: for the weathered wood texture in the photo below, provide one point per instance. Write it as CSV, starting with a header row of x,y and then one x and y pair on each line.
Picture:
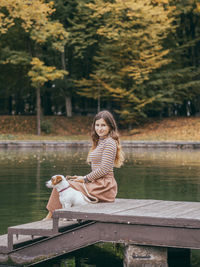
x,y
31,231
138,211
130,221
17,240
145,222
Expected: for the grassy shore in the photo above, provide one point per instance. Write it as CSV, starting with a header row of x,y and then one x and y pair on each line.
x,y
78,128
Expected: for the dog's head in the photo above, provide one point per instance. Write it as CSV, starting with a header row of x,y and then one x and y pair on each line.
x,y
56,179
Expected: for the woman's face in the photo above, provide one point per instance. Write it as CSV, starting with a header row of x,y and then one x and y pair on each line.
x,y
101,128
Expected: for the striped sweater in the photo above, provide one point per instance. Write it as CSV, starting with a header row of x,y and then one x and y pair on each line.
x,y
102,158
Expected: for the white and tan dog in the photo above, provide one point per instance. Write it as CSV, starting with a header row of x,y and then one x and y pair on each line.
x,y
67,195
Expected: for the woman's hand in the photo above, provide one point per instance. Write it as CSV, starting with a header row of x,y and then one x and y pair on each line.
x,y
79,179
76,178
69,177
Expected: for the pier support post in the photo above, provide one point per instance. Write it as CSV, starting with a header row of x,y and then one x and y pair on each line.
x,y
145,256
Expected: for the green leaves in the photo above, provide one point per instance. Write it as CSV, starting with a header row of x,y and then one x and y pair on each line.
x,y
14,57
131,48
141,57
34,18
53,32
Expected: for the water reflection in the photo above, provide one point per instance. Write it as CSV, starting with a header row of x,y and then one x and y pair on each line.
x,y
167,174
22,180
161,174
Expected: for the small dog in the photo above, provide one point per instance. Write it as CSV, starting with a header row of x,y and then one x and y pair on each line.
x,y
67,195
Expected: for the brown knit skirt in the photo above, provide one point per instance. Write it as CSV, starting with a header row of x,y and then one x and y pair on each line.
x,y
104,189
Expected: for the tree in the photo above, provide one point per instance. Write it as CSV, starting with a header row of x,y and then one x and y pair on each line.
x,y
40,74
34,18
142,56
64,12
179,82
132,48
82,44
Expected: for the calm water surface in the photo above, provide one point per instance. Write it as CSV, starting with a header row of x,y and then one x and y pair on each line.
x,y
166,174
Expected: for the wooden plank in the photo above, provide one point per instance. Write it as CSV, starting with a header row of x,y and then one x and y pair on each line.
x,y
193,213
2,239
110,208
108,232
125,211
38,228
157,208
3,243
140,220
150,235
147,222
56,245
99,210
168,213
35,225
164,209
17,240
41,225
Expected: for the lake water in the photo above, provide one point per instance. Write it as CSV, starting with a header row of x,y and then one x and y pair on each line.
x,y
167,174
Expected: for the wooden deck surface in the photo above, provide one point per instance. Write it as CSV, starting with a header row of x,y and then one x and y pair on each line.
x,y
135,221
40,225
156,212
24,233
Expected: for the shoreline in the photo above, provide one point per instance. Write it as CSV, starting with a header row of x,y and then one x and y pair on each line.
x,y
127,144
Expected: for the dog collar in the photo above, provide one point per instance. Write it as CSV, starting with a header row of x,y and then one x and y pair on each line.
x,y
64,189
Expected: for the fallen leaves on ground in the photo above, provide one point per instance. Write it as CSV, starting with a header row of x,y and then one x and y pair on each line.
x,y
78,128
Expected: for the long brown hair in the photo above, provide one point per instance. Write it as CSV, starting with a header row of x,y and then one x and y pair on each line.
x,y
113,132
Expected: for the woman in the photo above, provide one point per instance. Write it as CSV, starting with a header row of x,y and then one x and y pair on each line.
x,y
99,185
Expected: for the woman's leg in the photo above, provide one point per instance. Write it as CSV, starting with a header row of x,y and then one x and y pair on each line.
x,y
49,216
53,203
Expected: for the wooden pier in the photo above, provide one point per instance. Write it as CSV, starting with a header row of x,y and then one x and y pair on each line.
x,y
146,227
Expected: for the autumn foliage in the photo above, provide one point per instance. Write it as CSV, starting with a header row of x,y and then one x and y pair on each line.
x,y
78,128
34,17
137,58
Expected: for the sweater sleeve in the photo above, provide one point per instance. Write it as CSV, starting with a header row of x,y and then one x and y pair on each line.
x,y
107,161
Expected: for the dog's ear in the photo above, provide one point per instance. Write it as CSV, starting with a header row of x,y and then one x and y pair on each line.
x,y
57,180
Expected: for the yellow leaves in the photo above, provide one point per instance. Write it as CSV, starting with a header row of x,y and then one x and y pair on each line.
x,y
35,19
5,23
40,73
53,31
137,28
32,13
197,9
116,92
160,1
149,60
37,80
36,62
103,8
133,32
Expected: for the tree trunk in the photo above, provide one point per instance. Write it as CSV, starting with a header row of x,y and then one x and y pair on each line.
x,y
63,60
38,112
99,104
68,105
68,102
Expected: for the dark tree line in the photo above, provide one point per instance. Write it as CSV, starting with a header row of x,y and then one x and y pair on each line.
x,y
121,57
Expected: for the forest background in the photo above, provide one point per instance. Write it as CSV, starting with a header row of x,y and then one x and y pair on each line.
x,y
138,59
